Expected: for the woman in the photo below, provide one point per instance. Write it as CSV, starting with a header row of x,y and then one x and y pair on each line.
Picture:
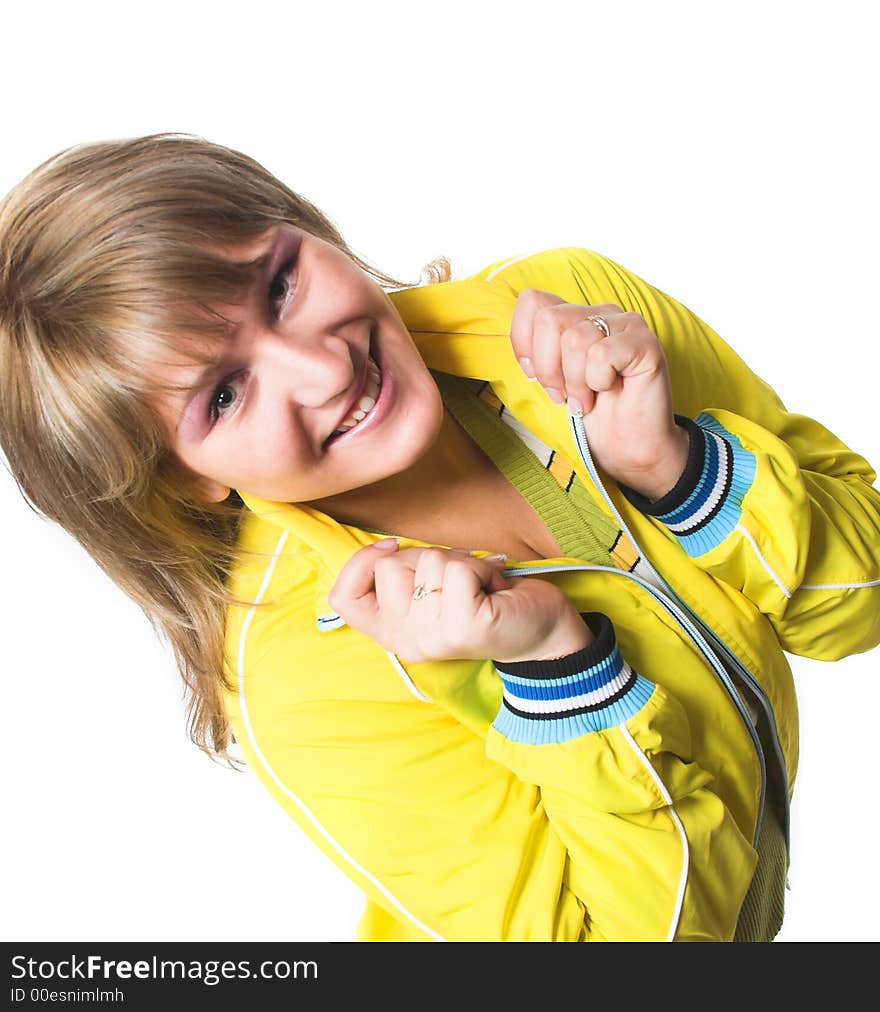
x,y
598,741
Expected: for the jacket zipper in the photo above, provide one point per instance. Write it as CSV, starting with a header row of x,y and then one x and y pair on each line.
x,y
675,606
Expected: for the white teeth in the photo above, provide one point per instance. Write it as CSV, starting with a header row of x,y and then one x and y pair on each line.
x,y
368,398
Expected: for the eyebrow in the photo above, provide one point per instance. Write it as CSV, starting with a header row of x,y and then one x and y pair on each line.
x,y
258,262
211,371
192,389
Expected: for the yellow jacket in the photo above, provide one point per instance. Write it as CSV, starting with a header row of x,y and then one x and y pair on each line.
x,y
407,776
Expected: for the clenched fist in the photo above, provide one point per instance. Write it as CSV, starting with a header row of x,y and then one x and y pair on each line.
x,y
618,381
470,609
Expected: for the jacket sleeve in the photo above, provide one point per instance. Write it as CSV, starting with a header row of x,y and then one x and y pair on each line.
x,y
653,851
772,503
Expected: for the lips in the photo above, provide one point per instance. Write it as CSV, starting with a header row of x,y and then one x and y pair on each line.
x,y
359,389
355,397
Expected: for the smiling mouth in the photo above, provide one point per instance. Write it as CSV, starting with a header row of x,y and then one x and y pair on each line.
x,y
361,407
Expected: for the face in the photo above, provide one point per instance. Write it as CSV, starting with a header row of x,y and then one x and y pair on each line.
x,y
263,419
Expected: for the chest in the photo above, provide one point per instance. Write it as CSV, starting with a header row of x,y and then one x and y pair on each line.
x,y
505,522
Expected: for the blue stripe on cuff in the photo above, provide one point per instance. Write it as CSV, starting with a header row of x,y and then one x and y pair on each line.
x,y
549,702
593,679
714,509
714,468
706,503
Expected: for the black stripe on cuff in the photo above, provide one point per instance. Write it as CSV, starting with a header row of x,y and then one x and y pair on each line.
x,y
685,485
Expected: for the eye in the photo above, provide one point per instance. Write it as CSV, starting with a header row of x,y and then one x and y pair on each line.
x,y
216,409
279,286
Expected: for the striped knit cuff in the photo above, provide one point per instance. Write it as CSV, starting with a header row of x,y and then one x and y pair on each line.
x,y
706,503
550,702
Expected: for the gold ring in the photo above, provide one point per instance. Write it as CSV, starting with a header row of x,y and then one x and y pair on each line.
x,y
601,323
420,592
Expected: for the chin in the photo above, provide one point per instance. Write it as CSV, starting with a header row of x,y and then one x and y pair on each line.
x,y
430,423
417,437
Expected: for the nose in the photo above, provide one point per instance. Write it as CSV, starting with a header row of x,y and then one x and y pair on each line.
x,y
313,371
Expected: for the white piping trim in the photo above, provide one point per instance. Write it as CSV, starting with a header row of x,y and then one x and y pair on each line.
x,y
679,899
277,780
506,264
762,560
838,586
407,681
328,625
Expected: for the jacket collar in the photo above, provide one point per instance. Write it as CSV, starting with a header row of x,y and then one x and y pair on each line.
x,y
461,328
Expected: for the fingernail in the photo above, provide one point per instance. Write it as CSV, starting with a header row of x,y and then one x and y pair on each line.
x,y
527,367
555,395
574,406
500,557
387,543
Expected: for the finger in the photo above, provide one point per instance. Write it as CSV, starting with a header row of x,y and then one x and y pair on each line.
x,y
394,586
492,568
550,324
494,558
429,574
491,573
630,353
575,344
497,579
606,317
355,580
547,326
431,561
529,301
467,589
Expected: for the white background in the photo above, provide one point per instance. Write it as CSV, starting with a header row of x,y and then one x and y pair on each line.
x,y
725,154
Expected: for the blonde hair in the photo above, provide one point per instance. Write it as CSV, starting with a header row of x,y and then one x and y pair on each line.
x,y
106,265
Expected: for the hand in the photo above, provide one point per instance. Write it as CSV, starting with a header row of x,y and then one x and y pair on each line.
x,y
478,613
619,382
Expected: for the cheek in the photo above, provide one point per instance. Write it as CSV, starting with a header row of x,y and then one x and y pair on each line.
x,y
192,427
273,459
